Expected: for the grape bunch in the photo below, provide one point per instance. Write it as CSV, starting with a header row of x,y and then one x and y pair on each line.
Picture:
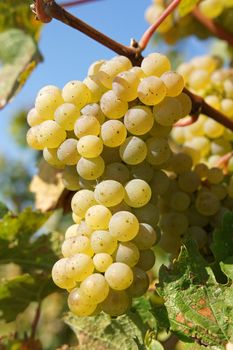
x,y
206,140
109,136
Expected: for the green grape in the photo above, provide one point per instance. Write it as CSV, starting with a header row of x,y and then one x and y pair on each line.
x,y
200,144
76,218
138,71
158,150
159,130
125,86
168,112
181,162
151,90
109,193
189,181
137,193
227,107
67,152
32,138
109,69
102,261
146,260
207,203
95,288
195,218
215,175
211,8
127,253
75,245
118,172
50,134
174,224
146,236
59,275
50,155
95,87
116,303
82,201
199,79
112,106
33,118
71,231
90,169
133,151
198,234
143,171
220,147
93,110
119,276
80,304
95,67
149,213
103,242
97,217
123,226
155,64
79,267
201,170
185,69
70,178
213,129
86,125
180,201
160,183
47,102
90,146
66,115
113,133
174,83
185,103
213,101
206,62
140,283
138,120
83,229
76,92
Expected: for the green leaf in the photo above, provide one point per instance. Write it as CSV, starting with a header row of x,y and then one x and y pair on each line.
x,y
103,333
16,294
142,307
17,14
18,244
3,209
198,307
227,267
222,245
19,56
187,6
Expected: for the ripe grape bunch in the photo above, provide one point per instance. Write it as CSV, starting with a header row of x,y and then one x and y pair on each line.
x,y
209,8
206,140
109,136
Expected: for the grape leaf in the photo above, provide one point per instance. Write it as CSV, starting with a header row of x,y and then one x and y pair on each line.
x,y
17,14
16,294
103,333
227,267
18,244
197,306
19,55
186,6
222,246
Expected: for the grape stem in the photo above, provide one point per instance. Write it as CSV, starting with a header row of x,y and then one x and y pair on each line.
x,y
186,121
152,29
35,321
75,2
213,27
51,9
223,161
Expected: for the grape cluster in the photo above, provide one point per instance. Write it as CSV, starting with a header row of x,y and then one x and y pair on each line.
x,y
206,140
209,8
109,136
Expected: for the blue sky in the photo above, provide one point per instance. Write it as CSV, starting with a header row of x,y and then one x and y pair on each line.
x,y
68,53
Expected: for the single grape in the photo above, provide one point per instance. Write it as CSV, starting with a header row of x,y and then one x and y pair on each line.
x,y
133,151
66,115
75,245
119,276
67,152
137,193
146,260
76,92
80,304
102,261
82,201
79,266
59,275
113,133
123,226
95,288
155,64
97,217
140,283
146,236
127,253
112,106
138,120
90,146
116,303
86,125
151,90
103,242
90,169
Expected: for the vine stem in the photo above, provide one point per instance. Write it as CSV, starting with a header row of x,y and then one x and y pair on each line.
x,y
75,2
35,321
152,29
213,27
51,9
